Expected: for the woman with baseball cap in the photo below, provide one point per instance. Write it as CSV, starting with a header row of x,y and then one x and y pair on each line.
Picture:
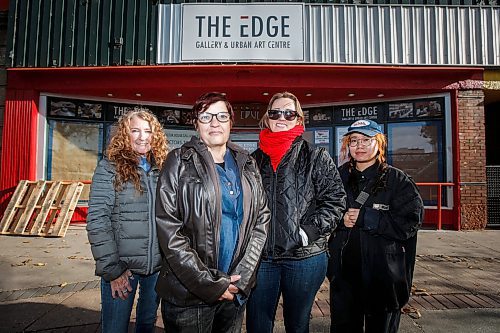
x,y
373,250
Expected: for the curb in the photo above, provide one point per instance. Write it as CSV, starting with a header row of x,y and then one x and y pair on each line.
x,y
14,295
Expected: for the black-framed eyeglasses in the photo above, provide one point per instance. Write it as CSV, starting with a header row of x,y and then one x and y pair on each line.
x,y
287,114
206,117
365,142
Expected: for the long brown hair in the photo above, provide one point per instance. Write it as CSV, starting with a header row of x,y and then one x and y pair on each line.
x,y
382,149
264,121
125,158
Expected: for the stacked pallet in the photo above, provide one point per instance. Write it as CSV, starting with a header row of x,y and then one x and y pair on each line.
x,y
41,208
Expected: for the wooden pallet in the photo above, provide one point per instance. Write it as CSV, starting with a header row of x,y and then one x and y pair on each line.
x,y
41,208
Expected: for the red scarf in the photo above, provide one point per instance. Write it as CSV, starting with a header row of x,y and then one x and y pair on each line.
x,y
276,144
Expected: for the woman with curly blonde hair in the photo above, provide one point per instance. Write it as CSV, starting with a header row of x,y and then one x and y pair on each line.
x,y
121,221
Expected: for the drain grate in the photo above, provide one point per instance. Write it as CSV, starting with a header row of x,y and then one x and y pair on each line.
x,y
454,301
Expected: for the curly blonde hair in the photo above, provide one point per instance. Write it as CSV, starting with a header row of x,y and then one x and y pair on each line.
x,y
126,159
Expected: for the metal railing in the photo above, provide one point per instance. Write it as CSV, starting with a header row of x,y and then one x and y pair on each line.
x,y
439,198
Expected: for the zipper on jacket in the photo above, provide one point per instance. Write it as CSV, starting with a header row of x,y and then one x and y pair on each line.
x,y
150,223
273,212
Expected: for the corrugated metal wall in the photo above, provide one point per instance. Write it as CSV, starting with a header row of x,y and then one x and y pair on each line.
x,y
380,35
56,33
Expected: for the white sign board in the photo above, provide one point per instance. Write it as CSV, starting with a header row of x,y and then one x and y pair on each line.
x,y
234,32
178,137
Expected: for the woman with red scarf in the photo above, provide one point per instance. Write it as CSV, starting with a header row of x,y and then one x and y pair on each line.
x,y
307,201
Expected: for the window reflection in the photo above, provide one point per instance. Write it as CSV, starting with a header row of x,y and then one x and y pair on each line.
x,y
417,149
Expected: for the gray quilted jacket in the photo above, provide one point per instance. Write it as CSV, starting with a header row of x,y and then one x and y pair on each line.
x,y
121,225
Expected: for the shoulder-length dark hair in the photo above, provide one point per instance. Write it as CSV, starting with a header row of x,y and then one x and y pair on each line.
x,y
203,103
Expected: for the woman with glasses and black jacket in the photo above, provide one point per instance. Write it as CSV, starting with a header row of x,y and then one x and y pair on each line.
x,y
373,250
307,202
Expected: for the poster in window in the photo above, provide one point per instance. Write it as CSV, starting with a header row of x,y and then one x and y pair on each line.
x,y
62,108
428,109
247,140
400,111
320,116
178,137
90,110
168,116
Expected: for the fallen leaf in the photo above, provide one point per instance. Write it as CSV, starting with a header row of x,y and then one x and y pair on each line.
x,y
40,264
46,251
64,284
72,257
411,311
26,242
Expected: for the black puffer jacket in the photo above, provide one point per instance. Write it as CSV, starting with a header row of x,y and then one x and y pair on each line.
x,y
375,259
304,193
188,216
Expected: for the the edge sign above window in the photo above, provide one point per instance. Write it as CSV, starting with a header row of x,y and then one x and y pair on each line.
x,y
234,32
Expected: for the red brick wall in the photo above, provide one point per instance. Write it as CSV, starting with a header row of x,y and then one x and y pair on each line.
x,y
472,159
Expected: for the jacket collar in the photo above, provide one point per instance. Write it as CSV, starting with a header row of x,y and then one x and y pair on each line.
x,y
240,154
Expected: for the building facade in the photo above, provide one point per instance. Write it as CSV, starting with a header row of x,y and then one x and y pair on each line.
x,y
423,71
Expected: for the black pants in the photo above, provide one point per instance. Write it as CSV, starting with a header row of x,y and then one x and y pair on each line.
x,y
223,317
348,316
382,322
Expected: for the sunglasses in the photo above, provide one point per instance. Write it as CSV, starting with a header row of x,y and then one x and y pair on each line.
x,y
287,114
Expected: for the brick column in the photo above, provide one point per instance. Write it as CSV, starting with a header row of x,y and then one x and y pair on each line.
x,y
472,159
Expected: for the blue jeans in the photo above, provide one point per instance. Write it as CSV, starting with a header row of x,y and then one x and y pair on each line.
x,y
222,317
298,281
115,312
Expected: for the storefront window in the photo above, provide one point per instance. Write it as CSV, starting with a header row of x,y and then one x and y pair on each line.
x,y
73,150
417,148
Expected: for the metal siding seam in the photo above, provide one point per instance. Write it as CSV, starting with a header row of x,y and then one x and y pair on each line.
x,y
105,33
55,58
81,33
11,34
69,29
93,42
152,33
45,32
142,31
129,37
117,26
34,22
496,35
328,27
21,33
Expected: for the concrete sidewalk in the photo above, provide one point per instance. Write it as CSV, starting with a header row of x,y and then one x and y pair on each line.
x,y
48,285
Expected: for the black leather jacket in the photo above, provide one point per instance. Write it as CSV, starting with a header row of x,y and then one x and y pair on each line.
x,y
188,218
305,193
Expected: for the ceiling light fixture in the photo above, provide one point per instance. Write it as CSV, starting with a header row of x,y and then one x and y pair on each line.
x,y
351,94
309,95
380,95
138,94
179,94
110,94
265,94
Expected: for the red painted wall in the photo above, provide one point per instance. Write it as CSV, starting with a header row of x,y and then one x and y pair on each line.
x,y
18,160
